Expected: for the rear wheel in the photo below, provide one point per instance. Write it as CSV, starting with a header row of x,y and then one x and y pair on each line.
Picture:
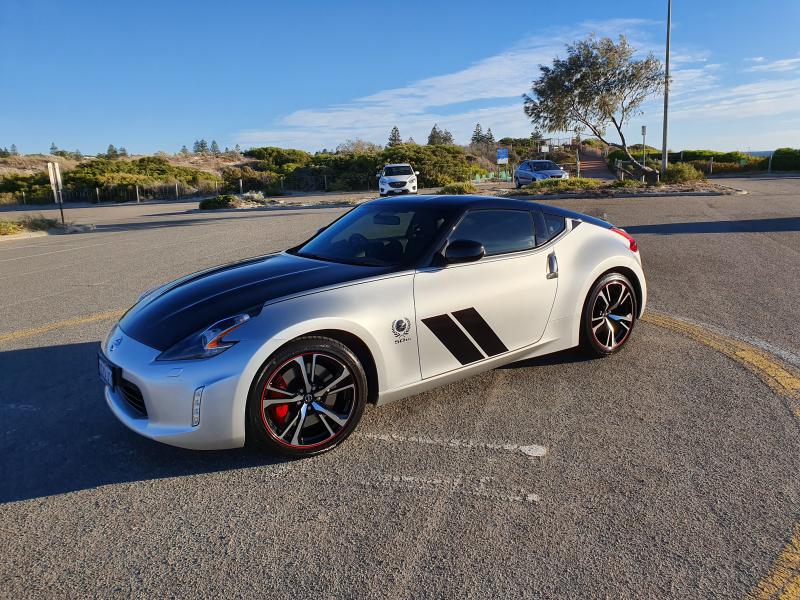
x,y
609,315
307,398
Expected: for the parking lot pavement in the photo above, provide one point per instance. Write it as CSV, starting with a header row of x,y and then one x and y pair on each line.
x,y
668,470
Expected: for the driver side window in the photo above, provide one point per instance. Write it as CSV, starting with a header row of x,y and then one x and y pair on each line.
x,y
500,231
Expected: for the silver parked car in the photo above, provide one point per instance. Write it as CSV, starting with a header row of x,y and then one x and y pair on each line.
x,y
533,170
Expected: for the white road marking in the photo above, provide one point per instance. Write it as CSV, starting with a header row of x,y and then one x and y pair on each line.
x,y
485,488
533,450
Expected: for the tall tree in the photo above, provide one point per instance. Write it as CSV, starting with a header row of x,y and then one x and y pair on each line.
x,y
599,84
394,137
111,152
214,147
488,138
435,136
13,150
447,138
184,151
122,151
53,148
477,136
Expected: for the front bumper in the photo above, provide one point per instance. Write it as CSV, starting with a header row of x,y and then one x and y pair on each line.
x,y
167,390
408,188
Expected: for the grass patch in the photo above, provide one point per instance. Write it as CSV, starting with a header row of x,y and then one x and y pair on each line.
x,y
8,227
459,188
555,186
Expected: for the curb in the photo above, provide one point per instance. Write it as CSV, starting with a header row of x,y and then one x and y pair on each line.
x,y
23,235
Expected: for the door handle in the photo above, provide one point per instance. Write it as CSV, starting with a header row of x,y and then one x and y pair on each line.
x,y
552,266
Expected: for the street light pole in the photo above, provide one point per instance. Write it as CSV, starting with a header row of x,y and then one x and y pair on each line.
x,y
664,157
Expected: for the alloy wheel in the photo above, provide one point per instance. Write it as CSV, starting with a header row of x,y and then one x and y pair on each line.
x,y
612,314
308,400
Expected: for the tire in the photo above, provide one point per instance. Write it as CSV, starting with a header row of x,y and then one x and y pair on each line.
x,y
517,184
609,315
285,415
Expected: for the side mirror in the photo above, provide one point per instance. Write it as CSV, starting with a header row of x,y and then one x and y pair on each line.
x,y
462,251
321,229
416,172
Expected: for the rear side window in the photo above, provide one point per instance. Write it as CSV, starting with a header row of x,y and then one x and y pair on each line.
x,y
548,226
499,231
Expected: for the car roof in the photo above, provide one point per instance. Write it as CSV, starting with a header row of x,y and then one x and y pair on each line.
x,y
486,202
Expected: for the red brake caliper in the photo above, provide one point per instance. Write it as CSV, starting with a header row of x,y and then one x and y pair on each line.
x,y
279,411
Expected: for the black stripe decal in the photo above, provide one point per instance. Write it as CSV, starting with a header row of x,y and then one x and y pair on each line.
x,y
455,340
480,331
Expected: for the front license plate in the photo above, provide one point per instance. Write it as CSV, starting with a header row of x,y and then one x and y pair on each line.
x,y
106,371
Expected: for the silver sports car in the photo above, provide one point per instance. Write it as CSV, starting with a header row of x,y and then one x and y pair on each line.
x,y
395,297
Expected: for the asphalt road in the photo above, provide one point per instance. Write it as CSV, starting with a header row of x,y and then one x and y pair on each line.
x,y
670,469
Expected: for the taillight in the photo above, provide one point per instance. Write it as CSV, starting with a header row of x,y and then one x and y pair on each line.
x,y
634,246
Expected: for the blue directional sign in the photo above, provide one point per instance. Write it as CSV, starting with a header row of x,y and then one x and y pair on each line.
x,y
502,156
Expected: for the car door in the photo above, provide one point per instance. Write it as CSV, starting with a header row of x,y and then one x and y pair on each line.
x,y
469,312
526,176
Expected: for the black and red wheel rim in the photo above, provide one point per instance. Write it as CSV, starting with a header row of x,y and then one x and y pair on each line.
x,y
308,400
613,313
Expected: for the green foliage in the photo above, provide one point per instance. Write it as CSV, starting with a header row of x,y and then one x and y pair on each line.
x,y
219,202
545,186
12,186
599,84
627,184
39,223
681,173
150,170
459,188
786,159
394,137
281,161
440,137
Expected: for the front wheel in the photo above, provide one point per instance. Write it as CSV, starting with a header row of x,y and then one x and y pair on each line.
x,y
517,184
307,398
609,315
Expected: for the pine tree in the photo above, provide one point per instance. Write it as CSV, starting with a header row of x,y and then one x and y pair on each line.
x,y
435,136
236,148
394,137
122,151
411,141
477,135
214,147
184,151
447,138
53,148
112,151
13,150
489,137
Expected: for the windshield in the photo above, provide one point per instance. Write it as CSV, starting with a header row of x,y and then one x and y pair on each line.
x,y
401,170
545,165
380,235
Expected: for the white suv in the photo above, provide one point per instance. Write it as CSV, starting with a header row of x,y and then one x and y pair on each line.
x,y
397,179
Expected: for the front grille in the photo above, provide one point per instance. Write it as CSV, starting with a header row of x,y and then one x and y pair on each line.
x,y
397,184
133,396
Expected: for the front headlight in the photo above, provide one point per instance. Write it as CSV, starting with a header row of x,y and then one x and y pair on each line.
x,y
412,180
208,343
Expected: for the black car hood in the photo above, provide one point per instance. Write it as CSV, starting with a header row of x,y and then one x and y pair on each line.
x,y
193,303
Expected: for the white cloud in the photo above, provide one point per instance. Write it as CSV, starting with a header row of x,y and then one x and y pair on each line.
x,y
415,107
756,59
776,66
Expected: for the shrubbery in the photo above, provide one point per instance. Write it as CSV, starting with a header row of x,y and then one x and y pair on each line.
x,y
682,172
221,201
786,159
151,170
459,188
546,186
39,223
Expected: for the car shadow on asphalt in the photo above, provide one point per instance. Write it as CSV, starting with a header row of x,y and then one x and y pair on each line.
x,y
139,225
573,355
59,436
743,226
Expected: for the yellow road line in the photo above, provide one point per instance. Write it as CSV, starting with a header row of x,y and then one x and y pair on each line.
x,y
783,580
34,331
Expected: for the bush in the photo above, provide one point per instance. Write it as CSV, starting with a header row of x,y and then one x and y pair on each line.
x,y
459,188
786,159
682,172
26,224
627,183
147,171
219,202
552,185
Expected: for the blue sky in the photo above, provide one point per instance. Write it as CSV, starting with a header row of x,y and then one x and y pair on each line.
x,y
156,75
